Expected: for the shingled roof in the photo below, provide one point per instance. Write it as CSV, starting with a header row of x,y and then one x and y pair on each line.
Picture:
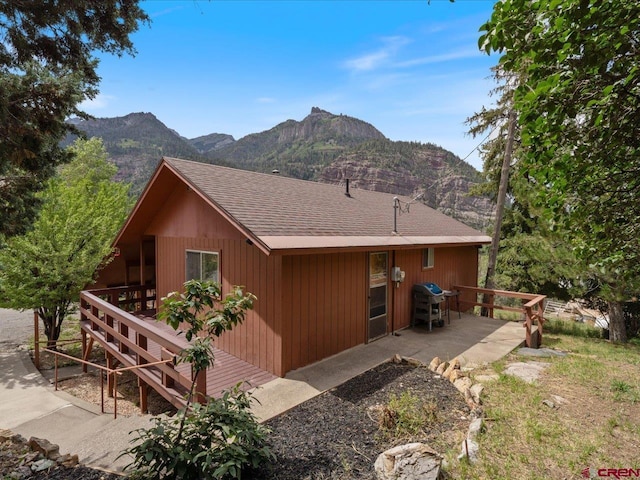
x,y
283,213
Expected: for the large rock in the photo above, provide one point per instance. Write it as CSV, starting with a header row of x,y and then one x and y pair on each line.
x,y
454,365
470,448
413,461
433,366
527,371
462,384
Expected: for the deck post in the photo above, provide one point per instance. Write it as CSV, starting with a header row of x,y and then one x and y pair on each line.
x,y
491,300
527,326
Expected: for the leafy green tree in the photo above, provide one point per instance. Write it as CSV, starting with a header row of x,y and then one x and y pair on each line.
x,y
531,257
579,117
47,67
219,438
46,268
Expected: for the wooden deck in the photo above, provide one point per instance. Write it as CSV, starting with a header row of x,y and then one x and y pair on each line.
x,y
150,348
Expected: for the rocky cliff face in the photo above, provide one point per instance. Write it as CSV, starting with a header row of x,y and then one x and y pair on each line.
x,y
447,193
323,125
210,143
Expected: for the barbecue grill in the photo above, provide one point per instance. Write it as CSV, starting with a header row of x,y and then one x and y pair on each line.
x,y
427,298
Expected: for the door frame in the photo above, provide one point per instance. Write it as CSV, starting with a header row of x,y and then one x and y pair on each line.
x,y
386,314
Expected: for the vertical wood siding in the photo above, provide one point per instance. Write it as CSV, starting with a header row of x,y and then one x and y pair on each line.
x,y
323,306
452,266
257,339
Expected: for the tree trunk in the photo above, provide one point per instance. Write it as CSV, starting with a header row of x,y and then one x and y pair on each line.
x,y
52,325
617,326
502,196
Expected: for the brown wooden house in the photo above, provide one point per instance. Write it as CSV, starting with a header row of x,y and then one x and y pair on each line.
x,y
318,258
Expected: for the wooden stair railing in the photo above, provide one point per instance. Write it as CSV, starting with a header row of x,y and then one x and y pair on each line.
x,y
133,341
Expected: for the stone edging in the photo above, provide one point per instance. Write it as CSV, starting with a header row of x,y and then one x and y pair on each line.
x,y
473,397
43,454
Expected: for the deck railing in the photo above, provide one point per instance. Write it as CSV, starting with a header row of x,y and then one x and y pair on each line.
x,y
131,340
532,308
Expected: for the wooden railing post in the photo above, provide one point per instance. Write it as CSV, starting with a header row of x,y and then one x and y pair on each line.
x,y
143,299
124,331
527,325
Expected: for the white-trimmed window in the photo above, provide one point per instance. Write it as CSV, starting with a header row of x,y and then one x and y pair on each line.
x,y
203,266
427,258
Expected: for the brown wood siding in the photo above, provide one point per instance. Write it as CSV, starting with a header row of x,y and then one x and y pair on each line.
x,y
257,340
452,266
323,306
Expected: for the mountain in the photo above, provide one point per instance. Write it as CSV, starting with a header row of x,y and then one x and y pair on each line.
x,y
135,143
299,149
414,169
323,147
208,144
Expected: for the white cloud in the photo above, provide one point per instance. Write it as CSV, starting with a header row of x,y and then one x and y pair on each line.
x,y
166,11
380,57
100,102
445,57
266,100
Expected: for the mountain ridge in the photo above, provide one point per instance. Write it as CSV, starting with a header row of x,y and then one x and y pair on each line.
x,y
322,147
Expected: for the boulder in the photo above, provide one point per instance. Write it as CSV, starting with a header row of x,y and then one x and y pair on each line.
x,y
469,451
470,448
413,461
435,363
45,447
476,392
455,375
454,365
462,384
442,368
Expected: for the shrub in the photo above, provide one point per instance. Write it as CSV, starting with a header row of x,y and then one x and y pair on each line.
x,y
218,440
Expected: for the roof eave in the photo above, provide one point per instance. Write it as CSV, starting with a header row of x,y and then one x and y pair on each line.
x,y
285,245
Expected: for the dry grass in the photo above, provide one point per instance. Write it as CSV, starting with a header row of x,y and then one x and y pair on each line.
x,y
594,421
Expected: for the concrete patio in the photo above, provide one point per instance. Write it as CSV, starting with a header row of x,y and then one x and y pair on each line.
x,y
474,340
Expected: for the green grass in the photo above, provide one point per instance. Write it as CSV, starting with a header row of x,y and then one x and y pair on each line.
x,y
596,422
407,414
571,328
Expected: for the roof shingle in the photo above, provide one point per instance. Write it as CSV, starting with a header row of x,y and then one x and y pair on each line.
x,y
273,207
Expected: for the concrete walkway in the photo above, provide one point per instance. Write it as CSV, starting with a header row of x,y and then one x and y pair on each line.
x,y
30,406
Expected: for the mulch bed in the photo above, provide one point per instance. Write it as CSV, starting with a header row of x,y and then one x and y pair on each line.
x,y
334,436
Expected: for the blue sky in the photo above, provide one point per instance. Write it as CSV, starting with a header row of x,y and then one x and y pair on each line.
x,y
411,69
